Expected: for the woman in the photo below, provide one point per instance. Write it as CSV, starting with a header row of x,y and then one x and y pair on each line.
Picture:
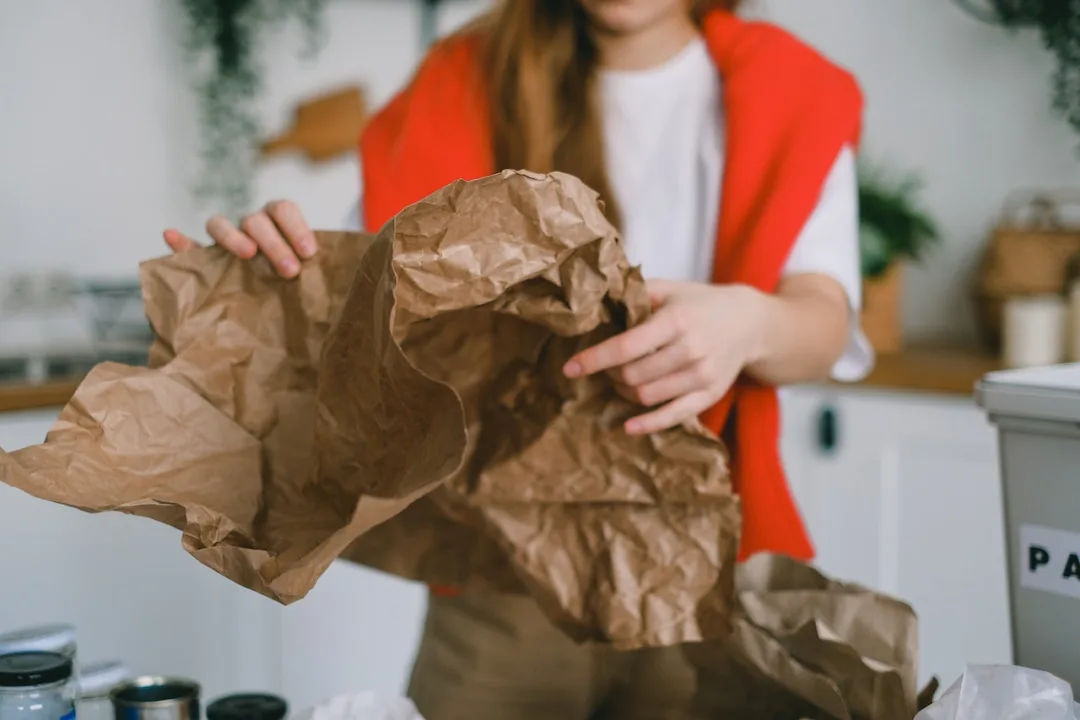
x,y
725,152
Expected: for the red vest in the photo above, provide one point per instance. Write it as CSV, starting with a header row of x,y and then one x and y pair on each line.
x,y
788,112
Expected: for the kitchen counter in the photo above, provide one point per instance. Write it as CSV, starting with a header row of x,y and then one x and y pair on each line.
x,y
926,370
947,371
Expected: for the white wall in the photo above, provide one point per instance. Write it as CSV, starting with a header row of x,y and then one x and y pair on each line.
x,y
98,125
99,136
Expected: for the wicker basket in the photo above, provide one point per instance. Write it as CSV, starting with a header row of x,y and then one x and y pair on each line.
x,y
1028,254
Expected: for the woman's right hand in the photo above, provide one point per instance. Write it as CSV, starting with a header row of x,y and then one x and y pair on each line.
x,y
279,231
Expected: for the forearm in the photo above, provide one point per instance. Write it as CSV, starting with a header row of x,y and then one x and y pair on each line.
x,y
800,331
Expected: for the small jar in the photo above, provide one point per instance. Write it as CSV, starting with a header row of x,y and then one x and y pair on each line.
x,y
36,686
1034,331
95,686
248,706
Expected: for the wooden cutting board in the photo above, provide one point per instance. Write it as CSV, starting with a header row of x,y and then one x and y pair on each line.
x,y
323,127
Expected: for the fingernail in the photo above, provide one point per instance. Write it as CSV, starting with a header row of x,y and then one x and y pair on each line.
x,y
633,428
290,267
306,247
572,369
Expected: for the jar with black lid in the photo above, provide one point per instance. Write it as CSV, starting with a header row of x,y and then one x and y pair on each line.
x,y
247,706
36,686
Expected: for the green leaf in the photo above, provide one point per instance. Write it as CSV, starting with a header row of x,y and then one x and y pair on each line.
x,y
892,224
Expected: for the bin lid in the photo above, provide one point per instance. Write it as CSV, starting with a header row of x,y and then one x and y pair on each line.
x,y
1044,393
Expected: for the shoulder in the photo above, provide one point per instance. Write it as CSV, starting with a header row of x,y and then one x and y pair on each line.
x,y
753,49
453,64
459,51
448,76
448,81
435,130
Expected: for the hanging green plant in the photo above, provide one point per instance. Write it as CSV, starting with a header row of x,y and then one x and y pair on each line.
x,y
223,41
892,225
1058,24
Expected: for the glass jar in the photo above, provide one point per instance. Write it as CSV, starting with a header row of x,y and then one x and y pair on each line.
x,y
36,686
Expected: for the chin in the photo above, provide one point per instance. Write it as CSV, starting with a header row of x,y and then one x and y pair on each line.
x,y
630,16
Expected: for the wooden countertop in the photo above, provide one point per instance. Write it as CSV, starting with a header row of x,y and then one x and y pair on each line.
x,y
925,370
931,370
31,397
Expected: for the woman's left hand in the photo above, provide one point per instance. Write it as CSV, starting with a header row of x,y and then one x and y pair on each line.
x,y
685,357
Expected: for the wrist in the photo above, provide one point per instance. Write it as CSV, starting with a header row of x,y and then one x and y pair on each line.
x,y
757,311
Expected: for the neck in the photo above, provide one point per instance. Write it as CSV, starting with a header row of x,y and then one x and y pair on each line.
x,y
646,48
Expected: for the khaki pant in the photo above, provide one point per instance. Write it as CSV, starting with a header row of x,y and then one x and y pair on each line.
x,y
497,657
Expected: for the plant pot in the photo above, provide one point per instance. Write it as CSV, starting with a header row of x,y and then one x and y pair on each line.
x,y
881,313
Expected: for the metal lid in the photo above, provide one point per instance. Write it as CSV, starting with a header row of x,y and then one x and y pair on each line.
x,y
251,706
1044,393
146,692
33,669
44,638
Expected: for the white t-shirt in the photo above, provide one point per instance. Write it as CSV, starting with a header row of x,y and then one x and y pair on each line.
x,y
663,135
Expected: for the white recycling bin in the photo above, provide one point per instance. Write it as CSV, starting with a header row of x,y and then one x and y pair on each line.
x,y
1037,413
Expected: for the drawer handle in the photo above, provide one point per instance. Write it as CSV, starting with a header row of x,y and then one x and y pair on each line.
x,y
828,432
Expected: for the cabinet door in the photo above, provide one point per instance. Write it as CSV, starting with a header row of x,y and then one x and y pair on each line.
x,y
943,525
831,455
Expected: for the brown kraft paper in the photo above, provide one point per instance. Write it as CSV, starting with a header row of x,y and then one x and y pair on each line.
x,y
804,646
402,405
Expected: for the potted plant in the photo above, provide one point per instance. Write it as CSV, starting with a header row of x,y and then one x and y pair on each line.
x,y
224,42
893,228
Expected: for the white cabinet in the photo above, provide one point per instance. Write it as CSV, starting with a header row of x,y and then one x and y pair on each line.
x,y
906,498
357,629
836,486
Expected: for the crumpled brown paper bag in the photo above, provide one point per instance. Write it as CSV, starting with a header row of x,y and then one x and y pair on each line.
x,y
804,646
401,405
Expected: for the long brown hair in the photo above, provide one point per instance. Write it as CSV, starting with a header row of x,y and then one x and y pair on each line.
x,y
542,76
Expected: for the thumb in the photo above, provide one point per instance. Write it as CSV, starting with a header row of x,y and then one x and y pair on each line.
x,y
178,241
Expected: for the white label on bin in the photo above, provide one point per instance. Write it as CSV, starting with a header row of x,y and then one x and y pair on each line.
x,y
1050,560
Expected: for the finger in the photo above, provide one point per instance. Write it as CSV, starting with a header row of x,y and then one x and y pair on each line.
x,y
262,230
290,221
672,414
225,234
663,362
623,348
670,387
178,241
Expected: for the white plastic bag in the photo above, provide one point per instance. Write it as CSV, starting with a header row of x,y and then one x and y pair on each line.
x,y
362,706
1000,692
